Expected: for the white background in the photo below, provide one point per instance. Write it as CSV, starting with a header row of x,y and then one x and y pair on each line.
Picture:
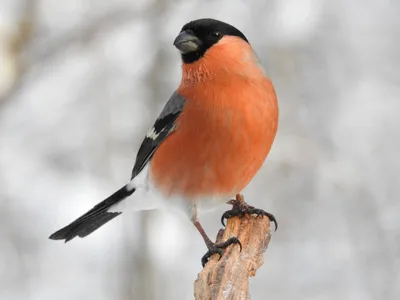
x,y
81,81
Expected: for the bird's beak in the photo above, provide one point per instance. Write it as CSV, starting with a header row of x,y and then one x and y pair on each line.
x,y
187,42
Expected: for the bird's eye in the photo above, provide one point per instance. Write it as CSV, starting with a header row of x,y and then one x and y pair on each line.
x,y
215,34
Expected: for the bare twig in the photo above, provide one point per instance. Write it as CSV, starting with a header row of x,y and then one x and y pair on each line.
x,y
14,45
228,278
40,52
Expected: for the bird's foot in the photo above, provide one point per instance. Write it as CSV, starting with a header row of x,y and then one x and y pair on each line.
x,y
241,208
214,248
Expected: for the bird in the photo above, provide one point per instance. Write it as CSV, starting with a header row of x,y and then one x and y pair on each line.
x,y
210,139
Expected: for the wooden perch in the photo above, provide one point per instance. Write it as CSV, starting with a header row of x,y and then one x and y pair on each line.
x,y
228,278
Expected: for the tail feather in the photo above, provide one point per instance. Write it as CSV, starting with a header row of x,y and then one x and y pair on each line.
x,y
94,218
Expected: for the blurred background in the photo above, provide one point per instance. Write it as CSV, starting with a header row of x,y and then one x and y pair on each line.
x,y
82,81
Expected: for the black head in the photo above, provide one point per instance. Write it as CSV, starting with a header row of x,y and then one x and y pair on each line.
x,y
198,36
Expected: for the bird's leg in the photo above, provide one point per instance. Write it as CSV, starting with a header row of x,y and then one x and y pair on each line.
x,y
213,248
241,208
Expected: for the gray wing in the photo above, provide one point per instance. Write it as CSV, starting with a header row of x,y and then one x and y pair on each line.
x,y
164,126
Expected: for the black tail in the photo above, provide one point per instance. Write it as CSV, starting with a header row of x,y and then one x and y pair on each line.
x,y
94,218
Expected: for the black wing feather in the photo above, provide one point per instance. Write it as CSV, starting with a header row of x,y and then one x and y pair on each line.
x,y
99,214
93,219
164,126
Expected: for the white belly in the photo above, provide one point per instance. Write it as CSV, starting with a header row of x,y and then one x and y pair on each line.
x,y
147,197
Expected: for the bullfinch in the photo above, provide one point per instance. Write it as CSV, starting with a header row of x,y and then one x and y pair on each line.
x,y
210,139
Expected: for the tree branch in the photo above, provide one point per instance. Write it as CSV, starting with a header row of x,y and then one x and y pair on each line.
x,y
228,278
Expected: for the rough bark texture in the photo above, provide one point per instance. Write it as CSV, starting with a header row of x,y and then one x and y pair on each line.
x,y
228,278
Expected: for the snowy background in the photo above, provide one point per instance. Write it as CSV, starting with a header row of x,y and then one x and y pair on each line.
x,y
81,81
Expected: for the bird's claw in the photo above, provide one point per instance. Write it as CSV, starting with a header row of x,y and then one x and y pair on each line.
x,y
241,208
218,249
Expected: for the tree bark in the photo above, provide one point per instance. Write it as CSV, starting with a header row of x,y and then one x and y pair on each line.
x,y
228,277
